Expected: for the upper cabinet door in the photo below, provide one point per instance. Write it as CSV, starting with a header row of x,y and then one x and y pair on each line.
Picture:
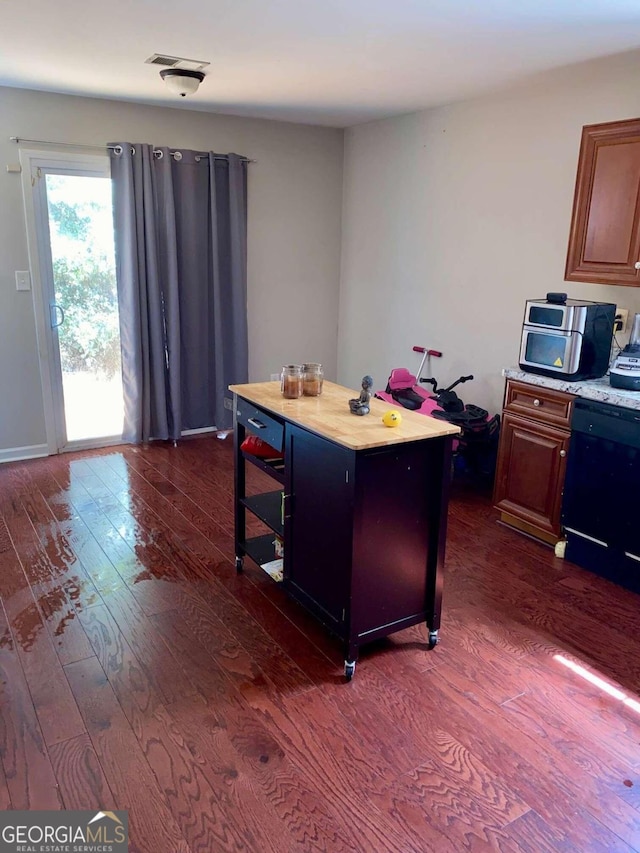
x,y
604,243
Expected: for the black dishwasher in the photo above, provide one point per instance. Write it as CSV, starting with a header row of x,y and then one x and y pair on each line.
x,y
601,502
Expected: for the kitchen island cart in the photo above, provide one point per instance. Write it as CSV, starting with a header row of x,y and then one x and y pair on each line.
x,y
360,507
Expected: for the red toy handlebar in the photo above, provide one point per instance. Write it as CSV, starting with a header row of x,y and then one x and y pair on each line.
x,y
433,352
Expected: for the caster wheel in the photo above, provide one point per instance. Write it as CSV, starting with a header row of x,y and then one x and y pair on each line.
x,y
239,564
349,669
434,639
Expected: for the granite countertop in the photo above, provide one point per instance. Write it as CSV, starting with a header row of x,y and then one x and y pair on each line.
x,y
590,389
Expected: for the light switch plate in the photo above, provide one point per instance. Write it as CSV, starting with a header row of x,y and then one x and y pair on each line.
x,y
23,280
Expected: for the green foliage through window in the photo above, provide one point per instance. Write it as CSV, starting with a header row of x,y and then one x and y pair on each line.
x,y
81,230
89,337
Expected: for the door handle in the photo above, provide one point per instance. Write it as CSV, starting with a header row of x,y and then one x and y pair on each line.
x,y
286,507
55,308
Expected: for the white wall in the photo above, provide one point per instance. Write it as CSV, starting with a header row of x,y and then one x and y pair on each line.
x,y
295,196
453,217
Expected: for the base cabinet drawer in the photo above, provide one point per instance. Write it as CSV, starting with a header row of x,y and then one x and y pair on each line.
x,y
541,404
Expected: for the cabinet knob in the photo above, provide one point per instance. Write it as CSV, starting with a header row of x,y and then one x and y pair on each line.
x,y
637,265
536,402
563,453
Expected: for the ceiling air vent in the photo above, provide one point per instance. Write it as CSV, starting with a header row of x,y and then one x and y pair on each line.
x,y
176,62
156,59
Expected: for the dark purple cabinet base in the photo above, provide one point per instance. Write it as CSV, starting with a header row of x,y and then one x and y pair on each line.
x,y
364,531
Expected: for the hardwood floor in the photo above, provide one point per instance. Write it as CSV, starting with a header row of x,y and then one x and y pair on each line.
x,y
139,672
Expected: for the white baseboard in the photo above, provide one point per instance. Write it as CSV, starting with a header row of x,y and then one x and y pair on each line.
x,y
18,454
199,431
37,451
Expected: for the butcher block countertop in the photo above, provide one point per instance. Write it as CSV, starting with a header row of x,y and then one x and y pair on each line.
x,y
328,416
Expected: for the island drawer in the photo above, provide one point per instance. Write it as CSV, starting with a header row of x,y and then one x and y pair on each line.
x,y
258,422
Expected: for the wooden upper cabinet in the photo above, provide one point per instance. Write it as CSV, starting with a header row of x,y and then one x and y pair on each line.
x,y
604,242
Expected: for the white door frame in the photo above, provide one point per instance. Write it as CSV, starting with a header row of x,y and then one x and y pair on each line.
x,y
35,165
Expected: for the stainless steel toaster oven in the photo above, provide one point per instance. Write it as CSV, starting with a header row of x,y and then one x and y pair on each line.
x,y
567,338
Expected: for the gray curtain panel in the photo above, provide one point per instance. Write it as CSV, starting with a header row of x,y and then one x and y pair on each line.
x,y
181,249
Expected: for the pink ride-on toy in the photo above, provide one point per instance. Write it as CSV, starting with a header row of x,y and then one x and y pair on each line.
x,y
475,450
403,387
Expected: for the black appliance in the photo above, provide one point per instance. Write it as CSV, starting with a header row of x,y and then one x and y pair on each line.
x,y
600,504
625,371
567,338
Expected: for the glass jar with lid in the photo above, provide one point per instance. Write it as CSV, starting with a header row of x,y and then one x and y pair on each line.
x,y
313,376
291,381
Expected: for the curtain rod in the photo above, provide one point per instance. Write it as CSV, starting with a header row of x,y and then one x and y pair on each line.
x,y
19,139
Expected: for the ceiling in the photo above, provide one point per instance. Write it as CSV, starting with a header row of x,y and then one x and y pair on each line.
x,y
330,62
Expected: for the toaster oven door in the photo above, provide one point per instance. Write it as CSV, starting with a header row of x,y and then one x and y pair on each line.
x,y
555,352
558,318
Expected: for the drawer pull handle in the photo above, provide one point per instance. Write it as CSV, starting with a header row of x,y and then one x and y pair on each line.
x,y
563,453
536,402
256,424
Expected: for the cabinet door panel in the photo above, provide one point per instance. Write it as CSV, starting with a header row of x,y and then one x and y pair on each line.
x,y
612,220
530,472
393,533
604,242
318,526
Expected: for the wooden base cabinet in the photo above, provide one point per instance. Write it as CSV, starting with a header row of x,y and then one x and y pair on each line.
x,y
363,526
532,459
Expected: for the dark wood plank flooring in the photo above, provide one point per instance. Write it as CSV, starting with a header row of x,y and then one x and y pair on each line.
x,y
138,671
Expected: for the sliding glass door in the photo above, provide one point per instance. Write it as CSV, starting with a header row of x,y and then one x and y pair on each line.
x,y
73,233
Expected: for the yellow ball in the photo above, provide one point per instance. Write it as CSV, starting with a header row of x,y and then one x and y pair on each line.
x,y
392,418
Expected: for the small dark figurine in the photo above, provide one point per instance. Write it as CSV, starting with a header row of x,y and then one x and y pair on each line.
x,y
361,405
